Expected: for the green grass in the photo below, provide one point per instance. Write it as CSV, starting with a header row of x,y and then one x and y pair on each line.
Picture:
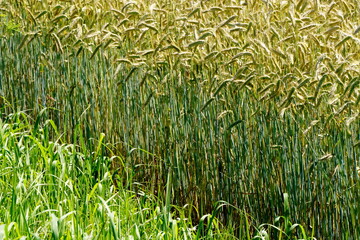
x,y
215,101
48,191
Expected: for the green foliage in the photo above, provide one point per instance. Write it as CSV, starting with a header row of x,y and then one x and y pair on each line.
x,y
9,27
49,191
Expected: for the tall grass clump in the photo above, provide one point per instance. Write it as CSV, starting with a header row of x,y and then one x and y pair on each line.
x,y
49,191
234,101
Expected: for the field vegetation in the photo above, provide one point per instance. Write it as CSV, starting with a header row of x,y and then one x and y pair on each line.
x,y
180,119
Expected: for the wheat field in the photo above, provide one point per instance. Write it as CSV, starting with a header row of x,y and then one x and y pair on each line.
x,y
247,112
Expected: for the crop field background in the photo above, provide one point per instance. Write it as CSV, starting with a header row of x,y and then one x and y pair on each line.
x,y
245,110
